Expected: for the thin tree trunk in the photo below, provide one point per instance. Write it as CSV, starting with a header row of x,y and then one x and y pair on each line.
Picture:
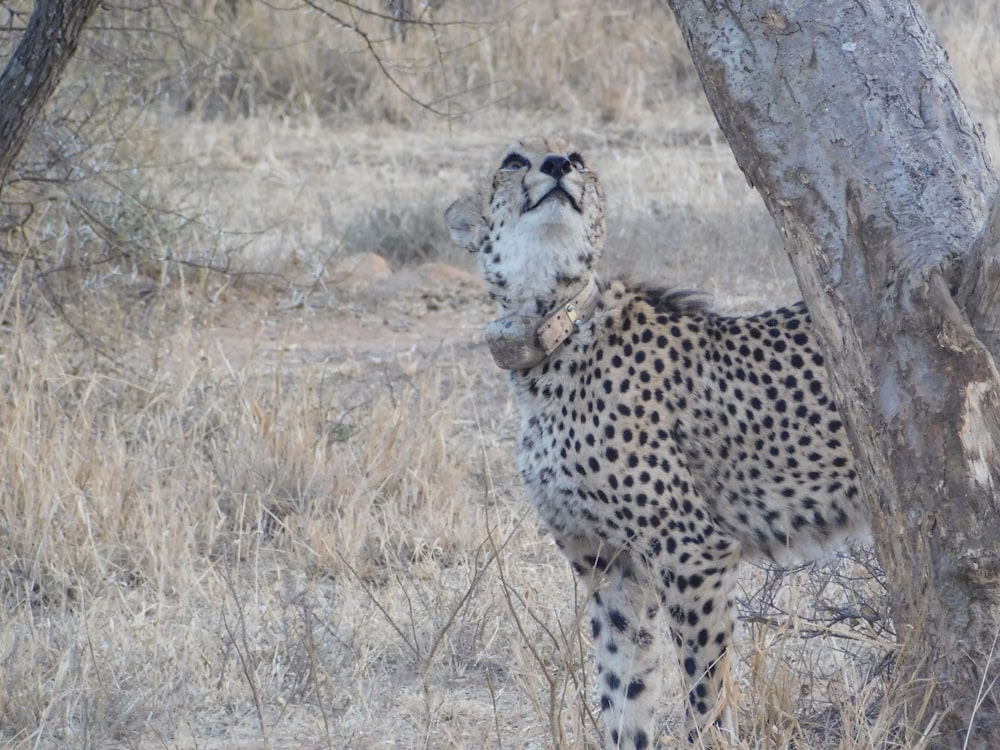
x,y
33,72
845,116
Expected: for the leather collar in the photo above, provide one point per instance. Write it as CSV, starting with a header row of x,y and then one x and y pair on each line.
x,y
519,342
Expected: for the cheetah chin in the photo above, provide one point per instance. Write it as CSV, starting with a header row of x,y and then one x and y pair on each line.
x,y
661,443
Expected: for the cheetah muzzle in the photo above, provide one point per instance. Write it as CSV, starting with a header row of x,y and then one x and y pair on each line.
x,y
661,443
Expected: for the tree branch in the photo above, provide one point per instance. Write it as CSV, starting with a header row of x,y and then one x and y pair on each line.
x,y
34,69
350,26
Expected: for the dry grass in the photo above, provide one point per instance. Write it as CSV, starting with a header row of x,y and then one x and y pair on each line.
x,y
247,504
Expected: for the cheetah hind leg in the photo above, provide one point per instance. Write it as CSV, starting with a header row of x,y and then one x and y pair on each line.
x,y
629,644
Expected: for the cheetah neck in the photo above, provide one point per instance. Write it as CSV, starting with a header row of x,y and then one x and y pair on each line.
x,y
539,262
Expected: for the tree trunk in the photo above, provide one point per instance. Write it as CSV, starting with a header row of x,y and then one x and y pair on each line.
x,y
32,73
845,116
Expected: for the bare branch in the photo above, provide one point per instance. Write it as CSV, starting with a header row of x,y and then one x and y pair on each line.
x,y
379,61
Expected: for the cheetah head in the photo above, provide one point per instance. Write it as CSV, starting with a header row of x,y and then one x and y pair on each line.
x,y
538,225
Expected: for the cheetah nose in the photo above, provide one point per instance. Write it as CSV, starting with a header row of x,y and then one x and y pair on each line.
x,y
556,166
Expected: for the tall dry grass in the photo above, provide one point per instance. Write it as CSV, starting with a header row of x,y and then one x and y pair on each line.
x,y
244,506
196,542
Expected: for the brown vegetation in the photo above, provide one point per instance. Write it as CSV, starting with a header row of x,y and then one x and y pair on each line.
x,y
250,497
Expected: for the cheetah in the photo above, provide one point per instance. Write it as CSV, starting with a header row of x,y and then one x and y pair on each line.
x,y
661,443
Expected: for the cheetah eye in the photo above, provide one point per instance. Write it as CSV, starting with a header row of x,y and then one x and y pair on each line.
x,y
513,163
577,161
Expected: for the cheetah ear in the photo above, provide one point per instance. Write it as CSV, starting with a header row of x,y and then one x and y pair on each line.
x,y
466,222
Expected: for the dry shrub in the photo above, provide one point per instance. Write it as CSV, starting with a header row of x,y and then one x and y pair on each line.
x,y
819,652
401,232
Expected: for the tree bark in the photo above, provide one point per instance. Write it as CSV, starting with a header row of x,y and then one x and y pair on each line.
x,y
979,295
845,116
33,72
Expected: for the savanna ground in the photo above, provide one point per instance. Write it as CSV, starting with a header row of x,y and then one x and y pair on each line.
x,y
257,481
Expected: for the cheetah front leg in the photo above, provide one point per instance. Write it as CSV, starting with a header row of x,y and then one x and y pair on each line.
x,y
629,644
699,606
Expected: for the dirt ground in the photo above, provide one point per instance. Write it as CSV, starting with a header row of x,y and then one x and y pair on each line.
x,y
388,315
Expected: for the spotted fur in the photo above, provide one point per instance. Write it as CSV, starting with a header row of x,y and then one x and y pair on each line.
x,y
662,443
